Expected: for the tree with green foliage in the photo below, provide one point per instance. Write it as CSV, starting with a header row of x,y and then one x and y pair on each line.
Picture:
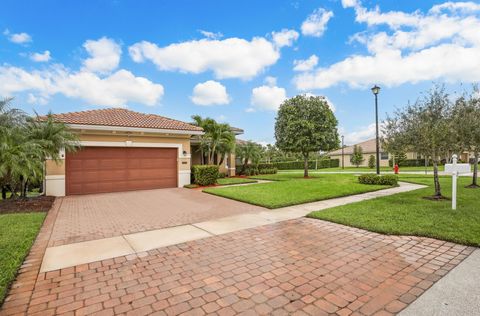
x,y
466,120
371,162
248,152
25,144
424,127
356,158
306,124
217,141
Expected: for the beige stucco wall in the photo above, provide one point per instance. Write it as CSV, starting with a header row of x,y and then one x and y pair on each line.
x,y
54,168
383,162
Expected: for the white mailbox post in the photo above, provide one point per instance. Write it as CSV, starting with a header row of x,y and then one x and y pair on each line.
x,y
455,169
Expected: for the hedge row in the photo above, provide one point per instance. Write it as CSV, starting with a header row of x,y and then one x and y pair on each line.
x,y
376,179
205,174
252,170
287,165
410,163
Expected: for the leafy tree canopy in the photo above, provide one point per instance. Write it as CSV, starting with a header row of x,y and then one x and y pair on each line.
x,y
306,124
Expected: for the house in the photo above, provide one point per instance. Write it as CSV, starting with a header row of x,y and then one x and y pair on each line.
x,y
368,148
123,150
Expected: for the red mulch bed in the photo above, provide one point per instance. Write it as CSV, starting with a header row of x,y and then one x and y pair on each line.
x,y
28,205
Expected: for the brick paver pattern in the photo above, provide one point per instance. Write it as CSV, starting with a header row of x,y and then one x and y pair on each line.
x,y
299,267
96,216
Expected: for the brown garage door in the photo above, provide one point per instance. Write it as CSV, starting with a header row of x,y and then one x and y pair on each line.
x,y
113,169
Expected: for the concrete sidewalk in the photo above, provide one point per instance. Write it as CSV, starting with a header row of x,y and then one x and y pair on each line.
x,y
457,293
69,255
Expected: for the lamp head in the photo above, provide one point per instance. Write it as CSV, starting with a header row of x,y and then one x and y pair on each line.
x,y
375,89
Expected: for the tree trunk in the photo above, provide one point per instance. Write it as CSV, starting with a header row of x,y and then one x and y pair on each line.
x,y
438,191
23,194
244,166
305,166
475,171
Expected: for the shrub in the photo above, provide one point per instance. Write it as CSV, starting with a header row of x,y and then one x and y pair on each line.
x,y
205,174
371,162
379,180
222,175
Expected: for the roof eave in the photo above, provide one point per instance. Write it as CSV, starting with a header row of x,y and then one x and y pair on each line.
x,y
133,129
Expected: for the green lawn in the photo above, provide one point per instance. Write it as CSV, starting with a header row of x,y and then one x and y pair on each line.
x,y
410,214
17,233
229,181
292,189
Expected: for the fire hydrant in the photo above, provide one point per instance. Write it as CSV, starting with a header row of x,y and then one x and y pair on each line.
x,y
395,169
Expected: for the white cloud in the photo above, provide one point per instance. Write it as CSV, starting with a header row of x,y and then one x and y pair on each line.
x,y
270,81
285,37
414,47
210,93
463,7
227,58
349,3
329,102
41,57
363,134
305,64
267,98
316,23
105,55
211,35
33,99
18,38
116,89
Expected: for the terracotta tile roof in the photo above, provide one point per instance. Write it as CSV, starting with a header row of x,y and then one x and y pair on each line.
x,y
368,147
123,118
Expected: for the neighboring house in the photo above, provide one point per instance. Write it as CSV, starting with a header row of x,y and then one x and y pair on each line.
x,y
122,150
369,148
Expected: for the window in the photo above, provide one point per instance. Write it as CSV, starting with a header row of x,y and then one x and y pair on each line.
x,y
384,156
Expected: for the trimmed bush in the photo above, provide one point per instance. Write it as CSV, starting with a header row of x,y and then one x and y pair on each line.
x,y
222,175
379,180
205,174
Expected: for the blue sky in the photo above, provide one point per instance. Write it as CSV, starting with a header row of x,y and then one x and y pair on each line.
x,y
235,61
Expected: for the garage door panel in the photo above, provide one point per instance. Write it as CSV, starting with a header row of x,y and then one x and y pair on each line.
x,y
113,164
101,169
152,163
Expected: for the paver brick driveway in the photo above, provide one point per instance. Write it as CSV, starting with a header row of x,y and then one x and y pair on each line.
x,y
95,216
300,267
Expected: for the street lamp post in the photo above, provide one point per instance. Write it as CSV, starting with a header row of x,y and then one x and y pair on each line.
x,y
376,90
343,161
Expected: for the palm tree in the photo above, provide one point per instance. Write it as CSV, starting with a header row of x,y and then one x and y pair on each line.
x,y
218,139
248,152
9,116
21,159
52,137
25,144
222,142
